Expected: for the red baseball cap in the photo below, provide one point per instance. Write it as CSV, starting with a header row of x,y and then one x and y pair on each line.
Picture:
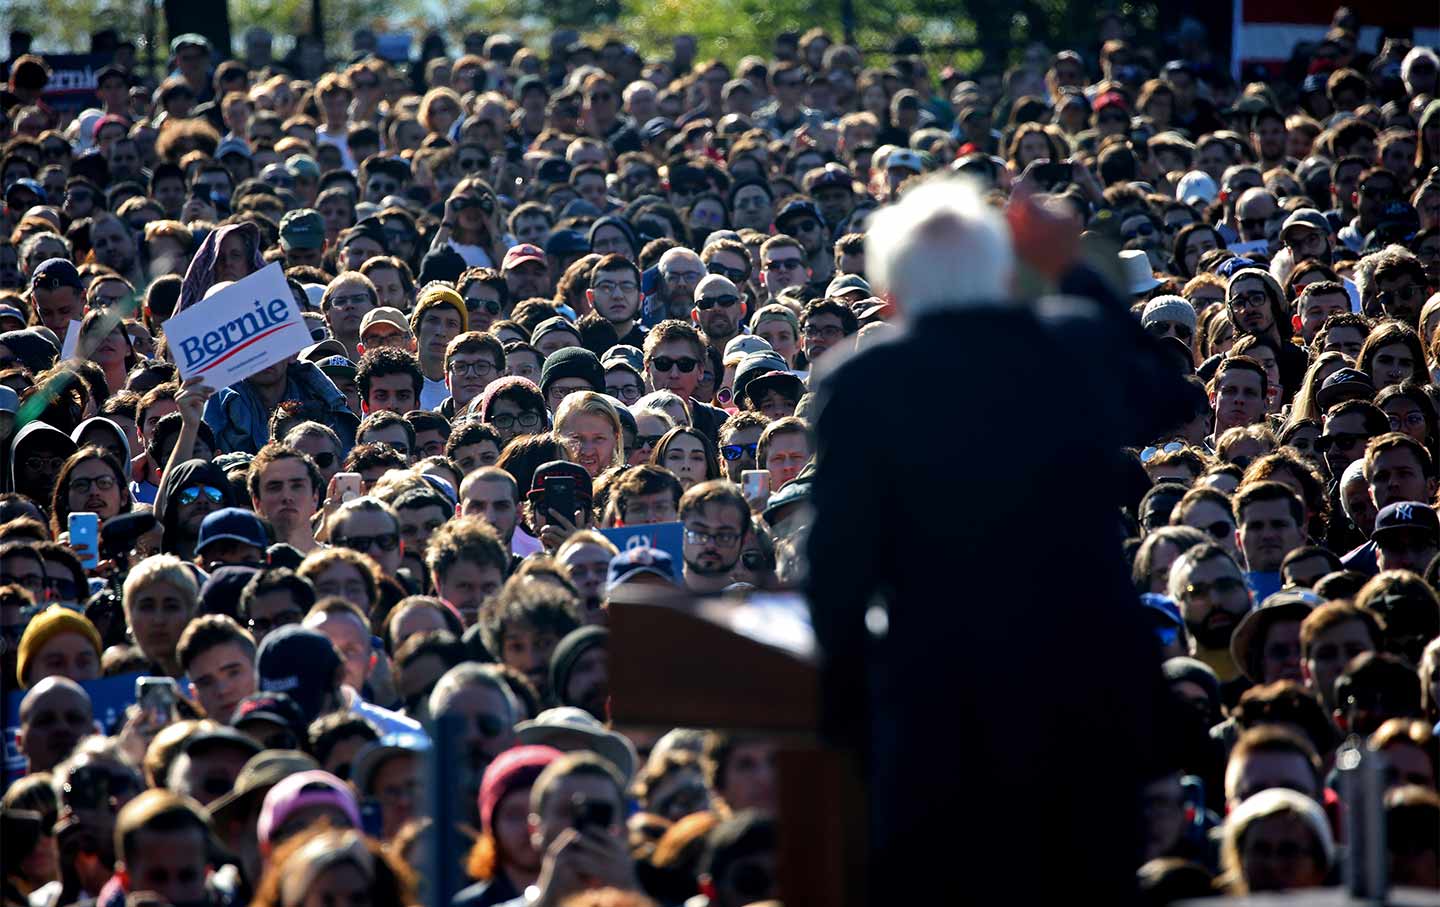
x,y
522,253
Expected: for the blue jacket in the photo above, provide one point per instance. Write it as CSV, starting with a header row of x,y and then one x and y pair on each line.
x,y
241,421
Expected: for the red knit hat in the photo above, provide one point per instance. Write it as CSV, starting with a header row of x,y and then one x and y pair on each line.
x,y
515,769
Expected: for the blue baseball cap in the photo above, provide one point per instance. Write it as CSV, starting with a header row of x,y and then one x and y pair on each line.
x,y
301,663
234,523
1229,266
640,561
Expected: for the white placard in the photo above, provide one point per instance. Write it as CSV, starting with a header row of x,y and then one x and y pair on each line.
x,y
72,340
250,325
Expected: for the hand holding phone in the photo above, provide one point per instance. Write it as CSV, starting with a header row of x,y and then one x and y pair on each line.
x,y
85,538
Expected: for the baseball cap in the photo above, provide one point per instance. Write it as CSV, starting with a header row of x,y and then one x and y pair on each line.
x,y
189,39
384,314
832,174
234,523
755,365
277,708
10,402
300,662
233,146
303,228
848,283
11,312
212,733
300,791
569,729
262,772
522,253
322,350
553,170
799,207
111,71
796,492
1197,185
560,469
304,165
1110,99
903,158
565,242
550,326
29,185
375,753
656,127
632,356
1306,217
1344,384
1230,266
54,273
743,344
639,561
1404,515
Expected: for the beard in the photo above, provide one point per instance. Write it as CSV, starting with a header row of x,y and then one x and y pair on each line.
x,y
713,567
1215,630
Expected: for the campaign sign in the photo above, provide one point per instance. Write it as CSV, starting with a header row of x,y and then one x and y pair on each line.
x,y
666,537
72,80
108,697
250,325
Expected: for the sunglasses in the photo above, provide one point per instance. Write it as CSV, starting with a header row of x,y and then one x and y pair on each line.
x,y
685,364
735,274
490,306
707,303
192,494
1168,328
385,542
733,452
1149,453
647,440
1344,440
263,625
324,460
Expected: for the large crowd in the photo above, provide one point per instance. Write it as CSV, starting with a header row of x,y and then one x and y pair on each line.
x,y
558,290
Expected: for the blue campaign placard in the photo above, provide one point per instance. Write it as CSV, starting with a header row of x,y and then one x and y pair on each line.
x,y
667,537
109,696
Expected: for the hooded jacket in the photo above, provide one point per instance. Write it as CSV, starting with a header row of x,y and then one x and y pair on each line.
x,y
26,439
200,276
184,475
103,422
241,420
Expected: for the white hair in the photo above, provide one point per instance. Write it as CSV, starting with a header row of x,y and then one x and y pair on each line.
x,y
679,253
1415,55
940,246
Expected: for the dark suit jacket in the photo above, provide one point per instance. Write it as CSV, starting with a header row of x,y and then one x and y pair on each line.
x,y
966,482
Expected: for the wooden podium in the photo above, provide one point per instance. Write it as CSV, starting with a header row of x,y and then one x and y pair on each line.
x,y
678,661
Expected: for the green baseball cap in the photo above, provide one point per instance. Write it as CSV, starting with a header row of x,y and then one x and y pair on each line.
x,y
302,228
303,165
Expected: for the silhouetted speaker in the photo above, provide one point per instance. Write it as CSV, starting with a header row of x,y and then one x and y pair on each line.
x,y
209,19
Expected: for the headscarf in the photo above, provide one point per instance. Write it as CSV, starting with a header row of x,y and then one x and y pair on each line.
x,y
200,276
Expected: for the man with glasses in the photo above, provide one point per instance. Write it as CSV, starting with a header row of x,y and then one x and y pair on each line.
x,y
1170,316
385,326
717,522
346,301
274,598
487,297
369,526
646,494
623,382
1210,512
680,273
1349,426
1256,213
782,265
1211,592
1257,306
738,439
798,217
675,361
826,324
719,310
472,361
787,111
614,292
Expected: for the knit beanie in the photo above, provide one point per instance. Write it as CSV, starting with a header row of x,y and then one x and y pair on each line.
x,y
1165,309
572,362
45,626
567,653
515,769
1183,667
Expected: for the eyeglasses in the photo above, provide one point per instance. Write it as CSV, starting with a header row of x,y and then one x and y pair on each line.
x,y
1220,529
626,392
385,542
99,483
506,421
610,287
1255,299
62,588
829,332
192,494
1143,229
490,306
324,460
724,538
1341,440
686,364
1225,585
43,464
354,299
685,276
1170,328
1256,224
733,452
642,441
478,369
1409,420
263,625
1149,453
706,303
783,264
736,275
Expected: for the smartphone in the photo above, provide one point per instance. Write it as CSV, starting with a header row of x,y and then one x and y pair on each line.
x,y
560,497
85,530
157,695
372,822
755,484
347,485
1052,175
590,813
